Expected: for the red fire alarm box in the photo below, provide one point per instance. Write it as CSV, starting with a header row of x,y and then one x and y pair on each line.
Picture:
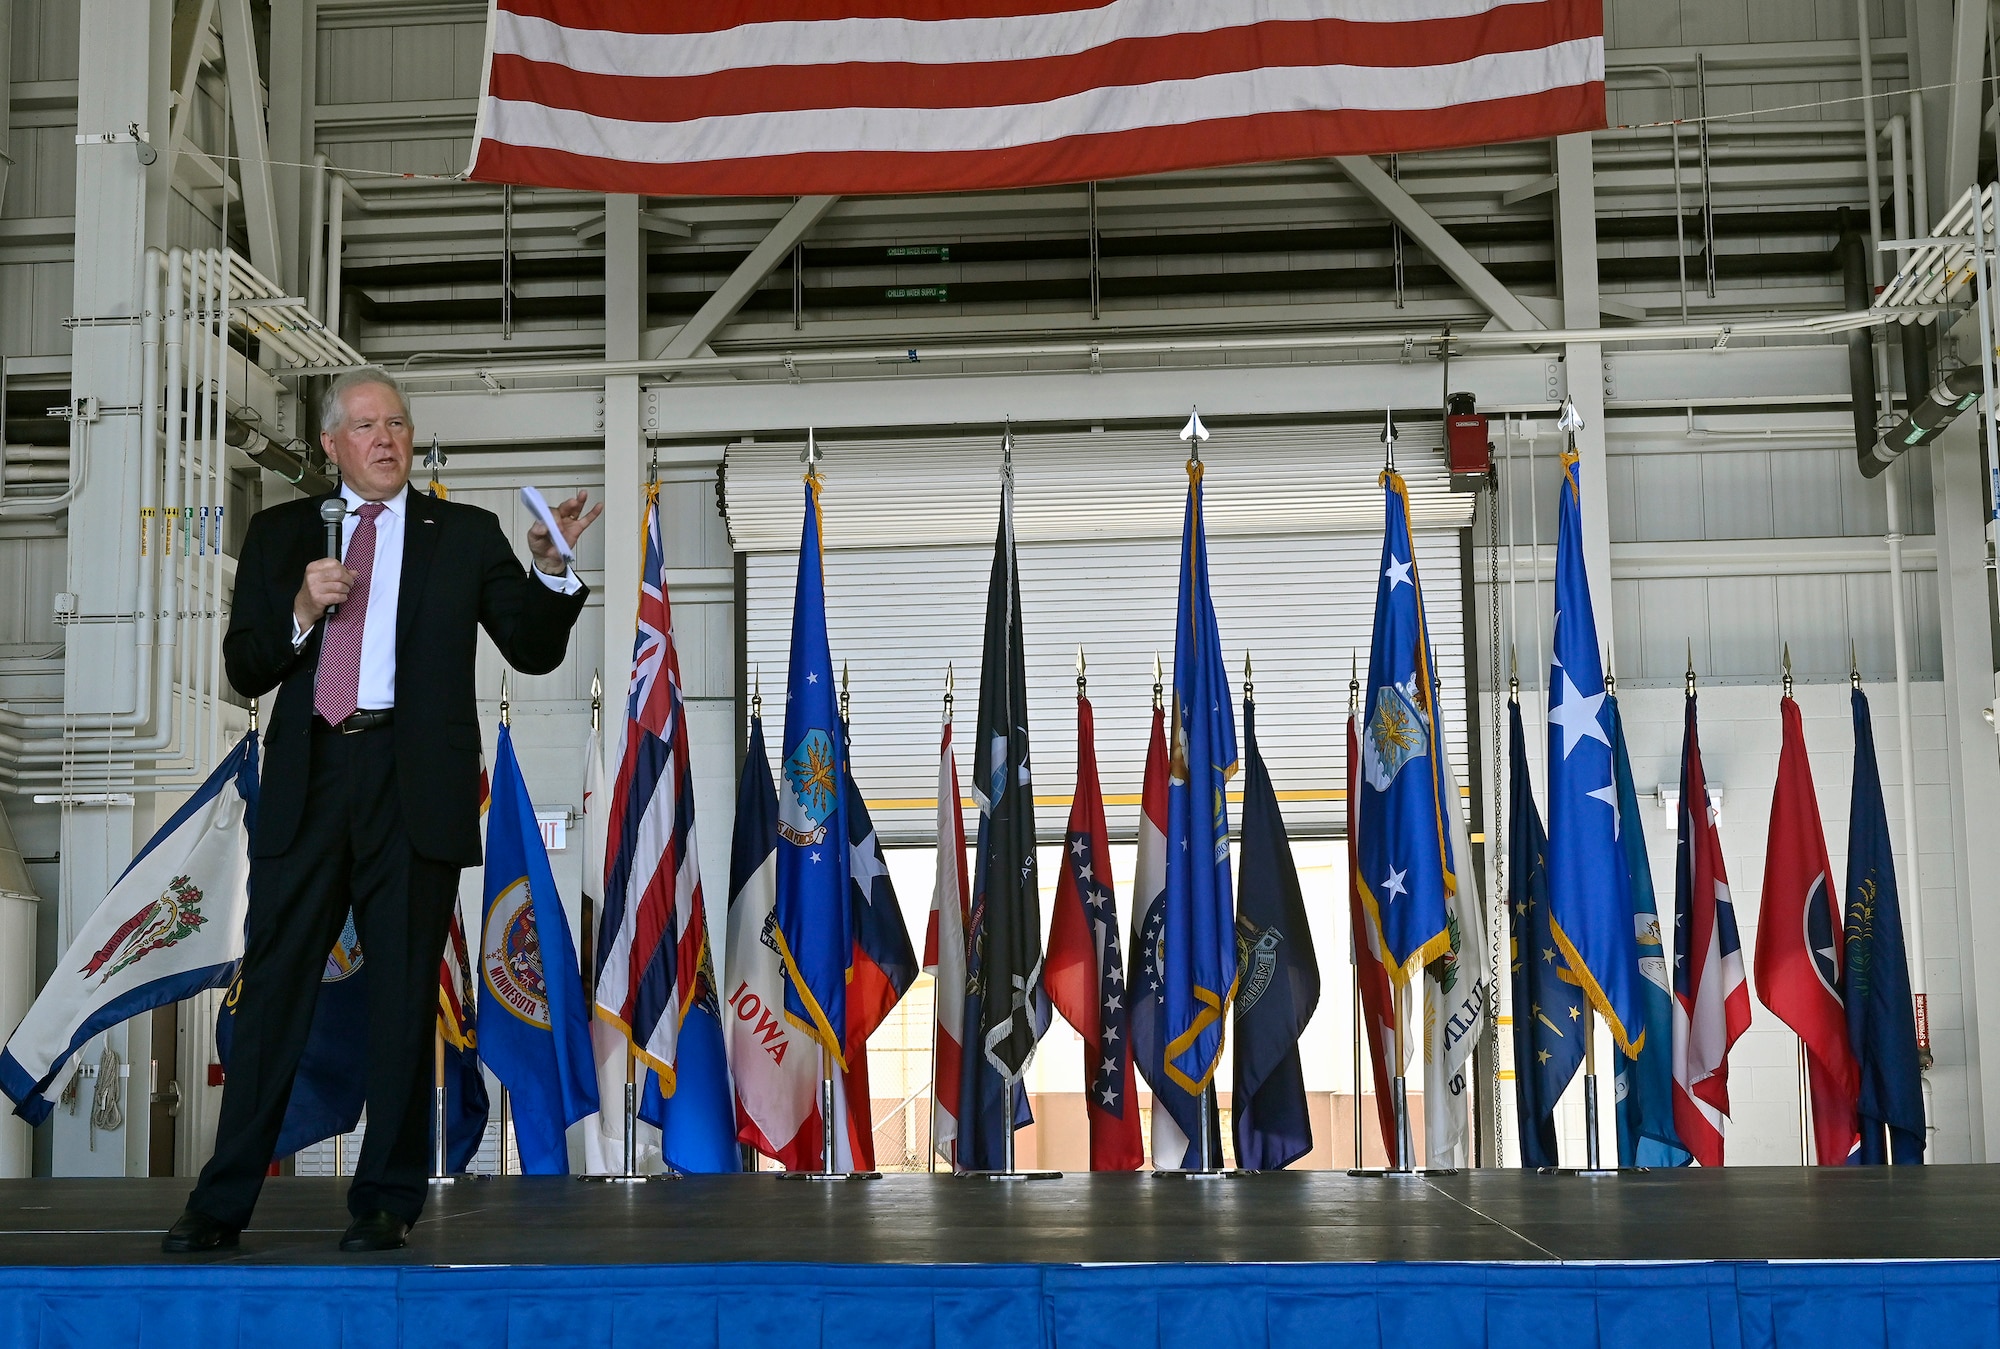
x,y
1468,451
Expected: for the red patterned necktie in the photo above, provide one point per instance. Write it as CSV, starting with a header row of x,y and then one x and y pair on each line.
x,y
337,687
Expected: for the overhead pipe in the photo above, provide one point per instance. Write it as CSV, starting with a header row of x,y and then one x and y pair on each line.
x,y
1857,294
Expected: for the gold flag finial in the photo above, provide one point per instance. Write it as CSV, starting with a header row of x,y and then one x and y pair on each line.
x,y
596,697
1853,666
1353,681
1249,685
950,682
843,691
757,691
1080,680
1159,685
505,719
1788,669
1690,670
1513,674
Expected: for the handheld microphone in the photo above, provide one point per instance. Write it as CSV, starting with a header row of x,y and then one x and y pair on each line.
x,y
331,512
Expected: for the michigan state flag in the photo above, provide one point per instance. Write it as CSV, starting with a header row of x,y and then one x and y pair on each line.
x,y
533,1028
1881,1017
1279,987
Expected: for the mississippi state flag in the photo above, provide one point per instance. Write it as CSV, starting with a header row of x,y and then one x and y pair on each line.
x,y
1799,940
652,876
1711,996
1084,973
944,955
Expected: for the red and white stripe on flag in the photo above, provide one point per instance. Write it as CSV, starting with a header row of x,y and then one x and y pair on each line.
x,y
653,927
944,954
790,97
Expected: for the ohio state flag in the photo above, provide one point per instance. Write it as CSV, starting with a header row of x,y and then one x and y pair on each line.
x,y
1799,941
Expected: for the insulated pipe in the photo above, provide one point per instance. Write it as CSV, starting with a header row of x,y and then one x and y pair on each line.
x,y
316,241
335,210
1953,394
1861,341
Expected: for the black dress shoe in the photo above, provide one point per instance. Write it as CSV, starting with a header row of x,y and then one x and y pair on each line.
x,y
377,1231
196,1231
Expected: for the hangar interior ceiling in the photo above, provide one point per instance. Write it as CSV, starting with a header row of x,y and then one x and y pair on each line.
x,y
582,341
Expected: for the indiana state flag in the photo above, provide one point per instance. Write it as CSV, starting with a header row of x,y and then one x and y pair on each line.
x,y
534,1026
1590,914
814,930
170,927
1404,849
1200,937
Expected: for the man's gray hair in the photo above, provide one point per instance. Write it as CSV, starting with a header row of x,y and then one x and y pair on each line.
x,y
333,408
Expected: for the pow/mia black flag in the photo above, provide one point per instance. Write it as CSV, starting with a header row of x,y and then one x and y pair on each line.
x,y
1277,979
1006,1008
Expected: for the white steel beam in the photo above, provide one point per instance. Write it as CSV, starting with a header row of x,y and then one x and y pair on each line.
x,y
1576,275
763,260
253,163
191,29
1419,224
1964,127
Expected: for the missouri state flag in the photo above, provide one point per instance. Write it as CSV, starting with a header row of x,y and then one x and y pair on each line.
x,y
1085,972
1799,946
1711,996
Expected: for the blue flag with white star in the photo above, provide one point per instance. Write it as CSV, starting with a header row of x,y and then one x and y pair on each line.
x,y
814,926
1404,848
1590,913
1200,950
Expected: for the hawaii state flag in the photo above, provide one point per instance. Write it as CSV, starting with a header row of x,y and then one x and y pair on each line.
x,y
1085,973
1711,996
1799,941
171,926
533,1027
944,955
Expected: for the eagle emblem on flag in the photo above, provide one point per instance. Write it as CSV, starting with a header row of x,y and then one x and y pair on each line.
x,y
1397,733
167,921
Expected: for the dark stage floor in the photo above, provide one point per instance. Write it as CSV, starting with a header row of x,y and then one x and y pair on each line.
x,y
1748,1214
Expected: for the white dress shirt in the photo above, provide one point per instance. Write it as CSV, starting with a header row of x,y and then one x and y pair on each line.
x,y
378,636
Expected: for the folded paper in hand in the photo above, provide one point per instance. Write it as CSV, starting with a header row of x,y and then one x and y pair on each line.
x,y
534,501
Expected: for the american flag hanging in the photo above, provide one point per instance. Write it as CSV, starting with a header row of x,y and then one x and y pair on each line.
x,y
787,97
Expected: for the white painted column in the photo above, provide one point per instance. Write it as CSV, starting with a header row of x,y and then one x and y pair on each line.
x,y
120,209
1965,617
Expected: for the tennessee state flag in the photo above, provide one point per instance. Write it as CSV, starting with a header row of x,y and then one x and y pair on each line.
x,y
1799,939
1085,974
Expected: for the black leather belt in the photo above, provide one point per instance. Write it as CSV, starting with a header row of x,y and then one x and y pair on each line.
x,y
367,719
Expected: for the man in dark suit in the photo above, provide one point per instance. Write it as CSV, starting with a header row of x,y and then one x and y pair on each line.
x,y
370,792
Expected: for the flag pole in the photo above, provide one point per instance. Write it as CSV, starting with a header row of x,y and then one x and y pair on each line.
x,y
930,1131
506,1104
1354,935
440,1171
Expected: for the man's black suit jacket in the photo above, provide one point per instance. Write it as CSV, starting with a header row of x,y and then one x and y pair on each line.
x,y
459,575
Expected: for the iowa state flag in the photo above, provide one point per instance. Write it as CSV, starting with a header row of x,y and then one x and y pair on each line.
x,y
1711,996
1799,945
1085,973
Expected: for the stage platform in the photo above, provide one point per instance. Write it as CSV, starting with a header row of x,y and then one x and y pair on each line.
x,y
1736,1259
